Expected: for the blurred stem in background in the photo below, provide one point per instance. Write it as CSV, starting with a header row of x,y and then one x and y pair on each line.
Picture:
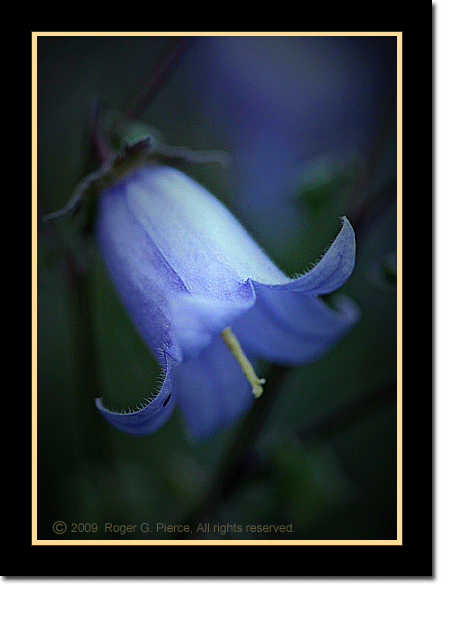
x,y
241,461
167,61
96,440
366,200
236,461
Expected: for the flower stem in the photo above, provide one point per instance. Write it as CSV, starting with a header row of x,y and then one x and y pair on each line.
x,y
97,446
237,457
159,73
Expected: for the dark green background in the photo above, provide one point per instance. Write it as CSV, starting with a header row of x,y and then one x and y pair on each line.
x,y
325,459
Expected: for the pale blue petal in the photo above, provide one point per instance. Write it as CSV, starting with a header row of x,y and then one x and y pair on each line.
x,y
196,321
213,391
290,323
141,274
198,236
151,417
290,328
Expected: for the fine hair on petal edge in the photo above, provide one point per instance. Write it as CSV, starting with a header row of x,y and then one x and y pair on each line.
x,y
343,219
138,407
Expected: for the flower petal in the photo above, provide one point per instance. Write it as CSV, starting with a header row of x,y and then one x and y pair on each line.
x,y
196,321
213,391
139,271
293,327
334,268
198,236
163,237
148,419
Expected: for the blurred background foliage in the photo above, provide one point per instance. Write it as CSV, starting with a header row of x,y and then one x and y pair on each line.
x,y
310,123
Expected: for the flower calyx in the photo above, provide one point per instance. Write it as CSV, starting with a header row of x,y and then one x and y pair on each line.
x,y
131,156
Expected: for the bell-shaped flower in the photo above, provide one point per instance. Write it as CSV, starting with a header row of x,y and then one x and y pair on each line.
x,y
207,300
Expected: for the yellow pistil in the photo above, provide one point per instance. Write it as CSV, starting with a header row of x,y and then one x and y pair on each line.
x,y
231,341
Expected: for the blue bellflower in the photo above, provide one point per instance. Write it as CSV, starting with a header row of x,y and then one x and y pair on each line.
x,y
207,300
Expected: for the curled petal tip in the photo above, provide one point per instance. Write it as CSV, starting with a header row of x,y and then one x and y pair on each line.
x,y
333,269
148,418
